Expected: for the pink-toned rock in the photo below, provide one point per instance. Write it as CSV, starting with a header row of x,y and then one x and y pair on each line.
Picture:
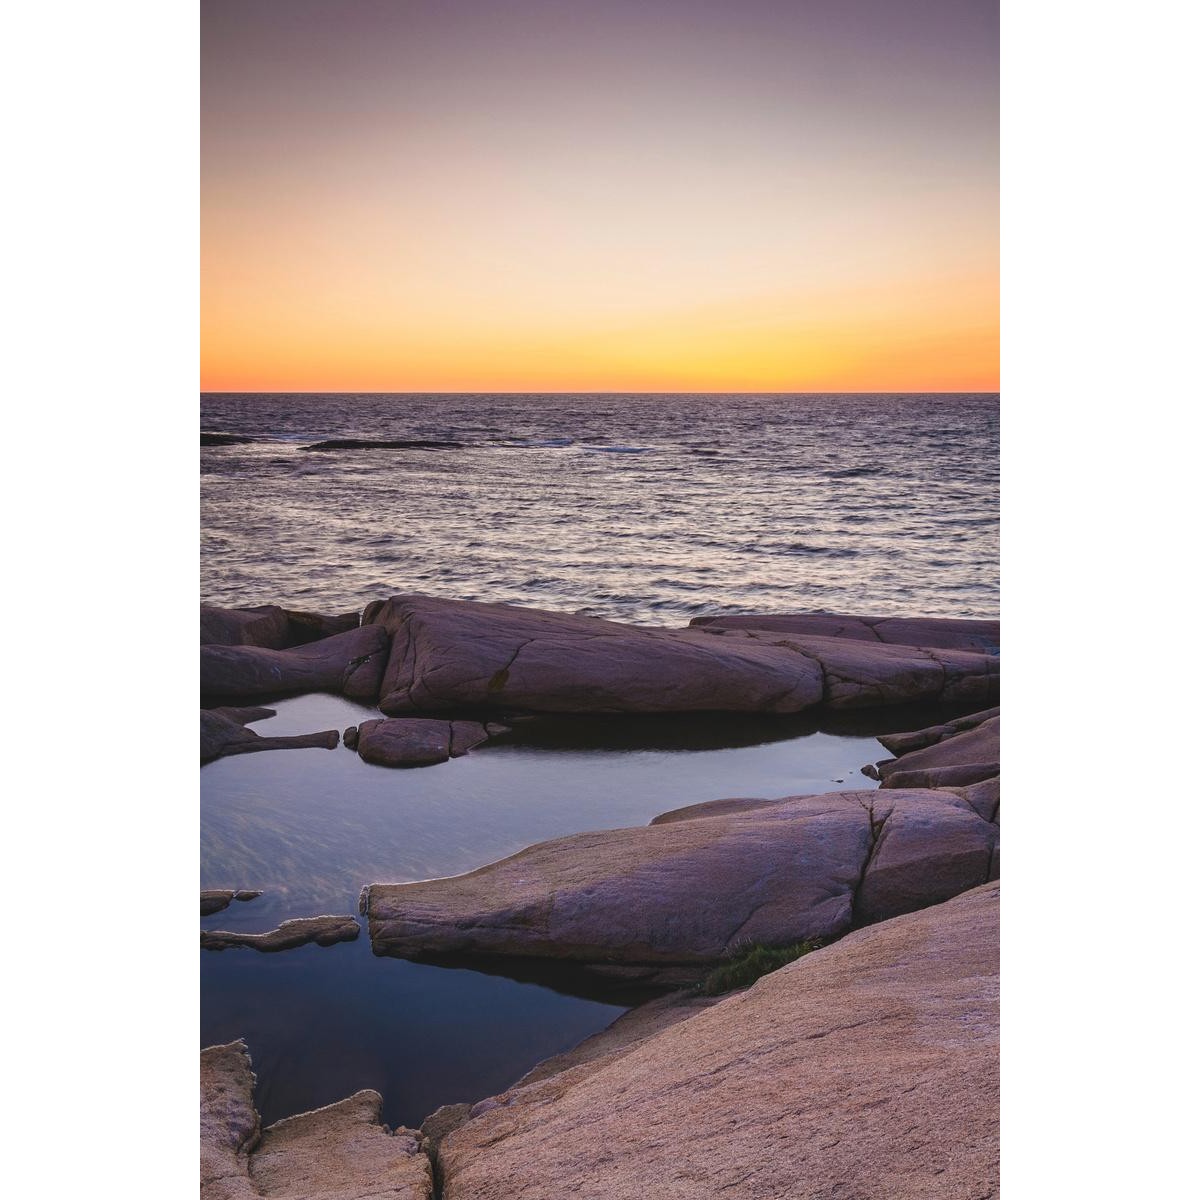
x,y
340,1152
347,663
223,732
404,742
713,808
983,797
962,758
690,891
264,625
415,741
923,853
862,674
865,1070
449,654
979,636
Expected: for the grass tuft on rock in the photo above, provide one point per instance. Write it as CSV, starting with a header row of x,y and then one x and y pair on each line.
x,y
751,963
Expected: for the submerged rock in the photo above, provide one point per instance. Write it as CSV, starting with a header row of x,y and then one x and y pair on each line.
x,y
690,891
324,930
866,1069
215,900
340,1152
944,633
222,733
348,663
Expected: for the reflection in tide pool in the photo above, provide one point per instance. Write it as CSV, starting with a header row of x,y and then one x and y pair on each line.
x,y
311,827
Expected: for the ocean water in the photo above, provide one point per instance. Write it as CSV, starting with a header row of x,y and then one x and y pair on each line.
x,y
643,508
648,508
310,827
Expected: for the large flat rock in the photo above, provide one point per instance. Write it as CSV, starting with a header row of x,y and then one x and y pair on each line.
x,y
945,633
450,654
868,1070
341,1152
349,664
453,654
692,891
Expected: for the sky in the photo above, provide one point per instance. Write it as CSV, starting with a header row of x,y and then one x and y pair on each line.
x,y
614,195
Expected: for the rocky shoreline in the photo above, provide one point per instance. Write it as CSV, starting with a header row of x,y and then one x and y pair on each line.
x,y
867,1067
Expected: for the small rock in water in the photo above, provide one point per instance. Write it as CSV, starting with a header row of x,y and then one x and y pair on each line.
x,y
325,931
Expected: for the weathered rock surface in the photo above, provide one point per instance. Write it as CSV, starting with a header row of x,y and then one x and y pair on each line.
x,y
449,654
983,797
962,758
348,663
215,900
690,891
223,732
324,930
868,1069
263,625
940,632
341,1152
923,853
415,741
459,654
861,674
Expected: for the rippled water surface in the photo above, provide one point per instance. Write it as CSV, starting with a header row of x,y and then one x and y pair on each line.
x,y
310,827
645,508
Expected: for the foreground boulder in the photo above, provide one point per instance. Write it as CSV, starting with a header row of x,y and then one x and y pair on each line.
x,y
688,892
415,741
867,1069
223,732
340,1152
449,654
945,633
325,931
349,664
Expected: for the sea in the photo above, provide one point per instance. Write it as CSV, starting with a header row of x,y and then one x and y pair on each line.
x,y
644,508
651,509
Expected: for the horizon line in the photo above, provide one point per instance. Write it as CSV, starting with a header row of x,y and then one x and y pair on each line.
x,y
584,392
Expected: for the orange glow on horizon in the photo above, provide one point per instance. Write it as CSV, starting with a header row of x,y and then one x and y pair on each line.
x,y
573,197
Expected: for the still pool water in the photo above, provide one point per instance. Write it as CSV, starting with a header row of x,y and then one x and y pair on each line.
x,y
311,827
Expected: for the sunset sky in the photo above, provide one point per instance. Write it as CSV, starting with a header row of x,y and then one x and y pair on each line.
x,y
599,195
